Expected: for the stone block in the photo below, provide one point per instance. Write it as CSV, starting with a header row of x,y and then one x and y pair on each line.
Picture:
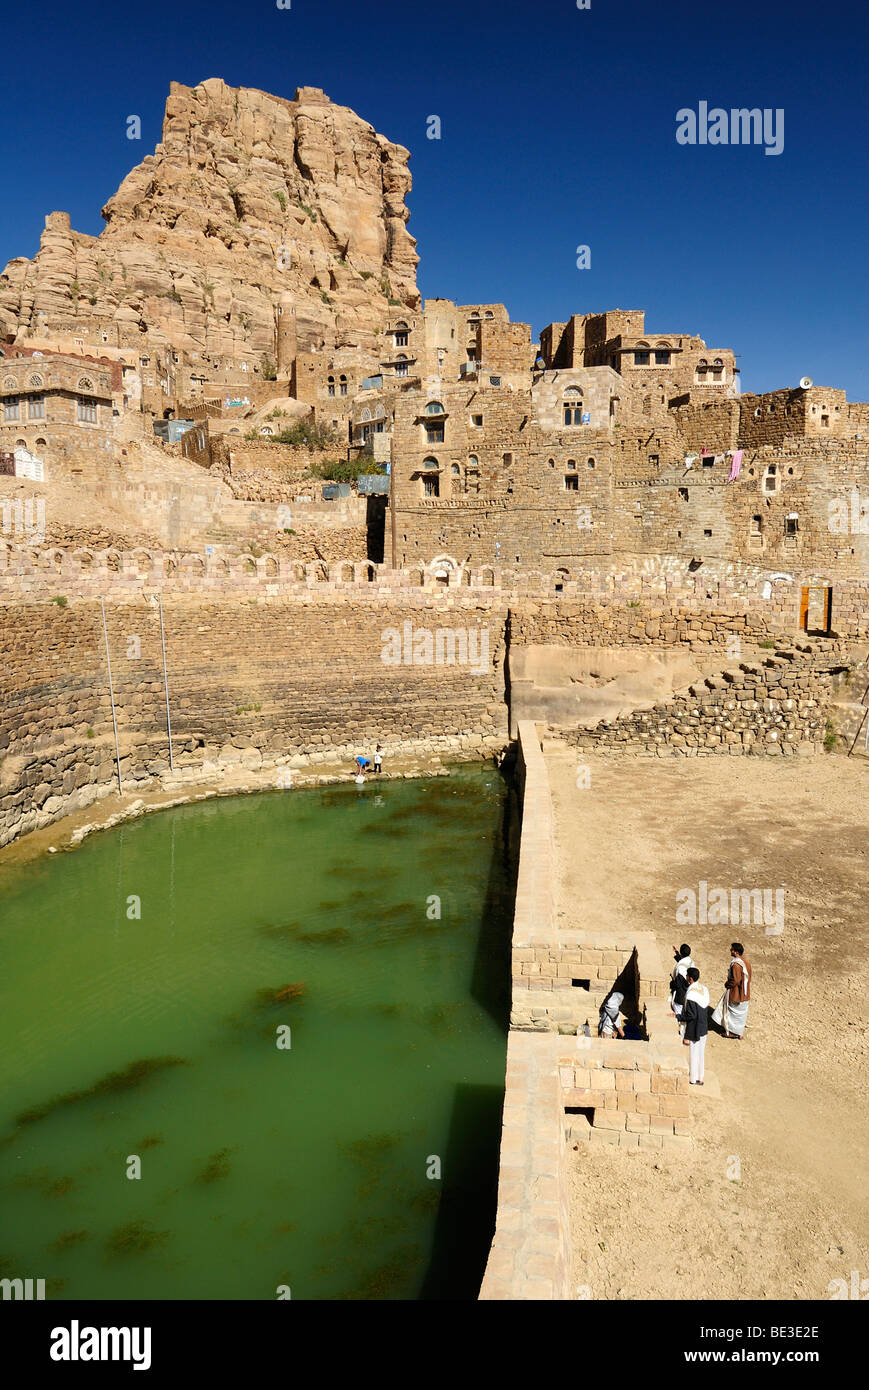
x,y
603,1081
611,1119
660,1124
651,1141
663,1084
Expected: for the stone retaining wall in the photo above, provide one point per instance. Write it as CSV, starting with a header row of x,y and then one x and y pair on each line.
x,y
778,705
252,684
633,1094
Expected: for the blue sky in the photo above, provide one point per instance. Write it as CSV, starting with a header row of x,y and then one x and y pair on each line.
x,y
558,130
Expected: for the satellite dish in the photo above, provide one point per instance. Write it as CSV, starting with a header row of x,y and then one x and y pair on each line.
x,y
805,383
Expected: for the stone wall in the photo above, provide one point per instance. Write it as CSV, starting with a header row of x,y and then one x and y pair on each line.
x,y
620,623
562,1088
256,684
775,706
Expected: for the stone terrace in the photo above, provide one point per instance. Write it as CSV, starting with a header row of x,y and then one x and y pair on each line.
x,y
563,1086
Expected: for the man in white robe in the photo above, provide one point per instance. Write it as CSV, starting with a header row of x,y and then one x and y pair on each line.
x,y
731,1013
696,1017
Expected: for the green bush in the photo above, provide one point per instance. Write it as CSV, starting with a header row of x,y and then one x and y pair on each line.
x,y
304,432
268,369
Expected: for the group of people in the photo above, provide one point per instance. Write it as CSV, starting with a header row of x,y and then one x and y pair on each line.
x,y
689,1001
363,764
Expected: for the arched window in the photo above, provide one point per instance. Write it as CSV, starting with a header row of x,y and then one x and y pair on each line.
x,y
400,334
456,471
85,384
571,463
366,414
9,383
572,405
342,381
717,369
330,385
662,354
401,365
591,463
489,314
35,383
434,427
473,461
431,483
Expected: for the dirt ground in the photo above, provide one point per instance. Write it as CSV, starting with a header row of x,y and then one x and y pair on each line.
x,y
772,1202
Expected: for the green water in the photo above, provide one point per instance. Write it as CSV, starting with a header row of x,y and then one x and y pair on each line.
x,y
304,1166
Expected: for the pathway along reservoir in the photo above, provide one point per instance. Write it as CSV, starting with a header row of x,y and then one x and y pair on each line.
x,y
373,924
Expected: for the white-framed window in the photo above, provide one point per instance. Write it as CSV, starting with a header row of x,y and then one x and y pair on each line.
x,y
572,405
11,408
87,411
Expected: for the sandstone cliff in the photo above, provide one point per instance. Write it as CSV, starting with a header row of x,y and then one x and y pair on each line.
x,y
248,203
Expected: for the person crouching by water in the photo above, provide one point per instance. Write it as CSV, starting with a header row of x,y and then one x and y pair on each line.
x,y
696,1020
608,1025
731,1013
679,979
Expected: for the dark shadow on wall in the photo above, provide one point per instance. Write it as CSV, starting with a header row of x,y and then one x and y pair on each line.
x,y
468,1191
375,527
491,981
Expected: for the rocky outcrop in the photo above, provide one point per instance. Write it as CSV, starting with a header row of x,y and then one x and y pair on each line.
x,y
249,203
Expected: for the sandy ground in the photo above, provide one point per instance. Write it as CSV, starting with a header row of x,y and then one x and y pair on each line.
x,y
772,1203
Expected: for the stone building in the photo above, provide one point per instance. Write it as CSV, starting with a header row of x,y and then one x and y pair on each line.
x,y
591,451
57,406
